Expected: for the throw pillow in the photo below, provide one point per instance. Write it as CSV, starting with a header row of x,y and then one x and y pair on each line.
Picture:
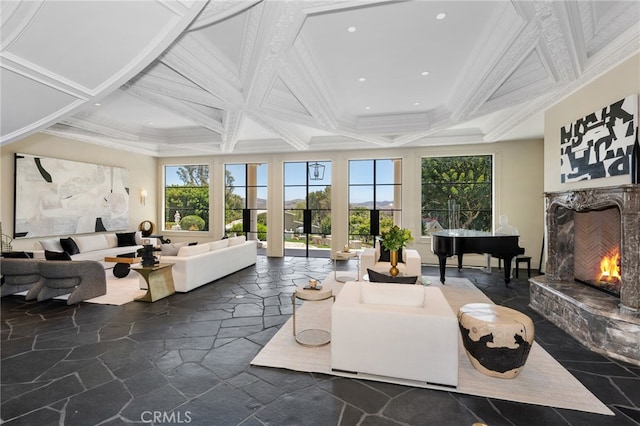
x,y
52,244
377,277
69,246
171,249
56,255
126,239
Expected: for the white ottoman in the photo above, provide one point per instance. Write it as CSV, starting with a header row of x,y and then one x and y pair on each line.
x,y
395,330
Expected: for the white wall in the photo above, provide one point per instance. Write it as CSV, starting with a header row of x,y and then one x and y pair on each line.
x,y
142,174
616,84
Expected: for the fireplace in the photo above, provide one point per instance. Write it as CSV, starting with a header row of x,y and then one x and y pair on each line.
x,y
591,286
597,239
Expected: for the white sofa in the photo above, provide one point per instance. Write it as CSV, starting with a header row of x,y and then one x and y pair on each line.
x,y
202,263
410,264
96,246
395,330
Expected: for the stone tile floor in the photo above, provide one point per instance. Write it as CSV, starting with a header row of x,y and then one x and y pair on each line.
x,y
185,360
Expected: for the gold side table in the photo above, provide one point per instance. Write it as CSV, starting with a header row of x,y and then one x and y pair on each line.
x,y
312,337
159,281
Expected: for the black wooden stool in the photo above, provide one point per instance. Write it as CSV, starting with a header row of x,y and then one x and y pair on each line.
x,y
524,259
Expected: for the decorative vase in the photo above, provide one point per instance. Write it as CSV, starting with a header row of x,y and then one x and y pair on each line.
x,y
393,258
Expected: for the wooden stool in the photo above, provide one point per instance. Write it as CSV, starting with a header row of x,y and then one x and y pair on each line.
x,y
497,339
525,259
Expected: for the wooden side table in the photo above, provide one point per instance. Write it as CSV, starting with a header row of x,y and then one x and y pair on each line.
x,y
312,337
159,281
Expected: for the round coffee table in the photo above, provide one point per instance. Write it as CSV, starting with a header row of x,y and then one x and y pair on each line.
x,y
312,337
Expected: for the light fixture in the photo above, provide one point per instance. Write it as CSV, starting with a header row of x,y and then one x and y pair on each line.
x,y
424,73
367,108
351,29
316,171
441,16
416,103
362,79
143,196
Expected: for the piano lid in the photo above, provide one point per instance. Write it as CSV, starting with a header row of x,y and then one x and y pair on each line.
x,y
468,233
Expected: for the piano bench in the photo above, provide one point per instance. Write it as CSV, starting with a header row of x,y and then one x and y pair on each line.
x,y
524,259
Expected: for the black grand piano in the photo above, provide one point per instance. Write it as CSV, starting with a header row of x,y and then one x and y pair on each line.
x,y
450,242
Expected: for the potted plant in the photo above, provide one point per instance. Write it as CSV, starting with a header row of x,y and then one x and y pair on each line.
x,y
393,240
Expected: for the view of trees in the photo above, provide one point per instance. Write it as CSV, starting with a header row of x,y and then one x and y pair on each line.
x,y
191,198
467,181
234,203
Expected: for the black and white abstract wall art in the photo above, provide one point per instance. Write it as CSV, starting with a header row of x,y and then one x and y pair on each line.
x,y
599,145
61,197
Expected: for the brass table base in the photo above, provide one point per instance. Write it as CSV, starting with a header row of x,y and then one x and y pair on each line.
x,y
159,281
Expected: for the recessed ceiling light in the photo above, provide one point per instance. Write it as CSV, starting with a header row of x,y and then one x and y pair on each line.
x,y
367,107
362,79
150,123
96,104
441,16
416,103
424,73
351,29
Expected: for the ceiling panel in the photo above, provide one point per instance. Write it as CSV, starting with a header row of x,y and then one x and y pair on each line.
x,y
18,102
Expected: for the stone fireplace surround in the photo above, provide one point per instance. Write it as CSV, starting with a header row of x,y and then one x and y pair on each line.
x,y
603,322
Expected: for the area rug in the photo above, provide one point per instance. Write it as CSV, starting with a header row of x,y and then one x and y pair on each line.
x,y
543,381
120,290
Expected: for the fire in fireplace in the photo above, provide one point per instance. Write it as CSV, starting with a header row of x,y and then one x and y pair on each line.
x,y
610,267
608,279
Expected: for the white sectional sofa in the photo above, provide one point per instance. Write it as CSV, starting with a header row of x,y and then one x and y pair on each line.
x,y
400,331
95,246
196,265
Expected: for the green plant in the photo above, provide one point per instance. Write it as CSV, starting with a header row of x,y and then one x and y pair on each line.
x,y
192,223
396,238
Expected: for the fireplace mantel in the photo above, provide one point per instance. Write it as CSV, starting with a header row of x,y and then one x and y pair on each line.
x,y
560,207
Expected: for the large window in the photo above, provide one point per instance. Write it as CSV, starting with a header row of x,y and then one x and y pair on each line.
x,y
465,182
246,200
375,198
186,198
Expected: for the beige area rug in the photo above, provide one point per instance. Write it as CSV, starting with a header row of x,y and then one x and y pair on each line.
x,y
120,290
543,381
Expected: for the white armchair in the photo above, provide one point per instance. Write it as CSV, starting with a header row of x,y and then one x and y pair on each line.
x,y
395,330
410,263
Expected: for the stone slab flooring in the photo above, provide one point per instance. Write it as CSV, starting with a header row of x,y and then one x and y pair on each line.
x,y
185,360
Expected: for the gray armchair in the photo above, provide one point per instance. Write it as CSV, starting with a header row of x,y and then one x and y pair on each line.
x,y
18,275
81,279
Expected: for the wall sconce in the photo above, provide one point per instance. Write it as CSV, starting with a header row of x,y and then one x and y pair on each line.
x,y
143,196
316,171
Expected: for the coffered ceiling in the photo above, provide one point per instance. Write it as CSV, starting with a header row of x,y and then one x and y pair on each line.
x,y
180,77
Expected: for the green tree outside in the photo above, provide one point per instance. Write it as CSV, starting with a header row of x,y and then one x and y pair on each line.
x,y
465,180
189,198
